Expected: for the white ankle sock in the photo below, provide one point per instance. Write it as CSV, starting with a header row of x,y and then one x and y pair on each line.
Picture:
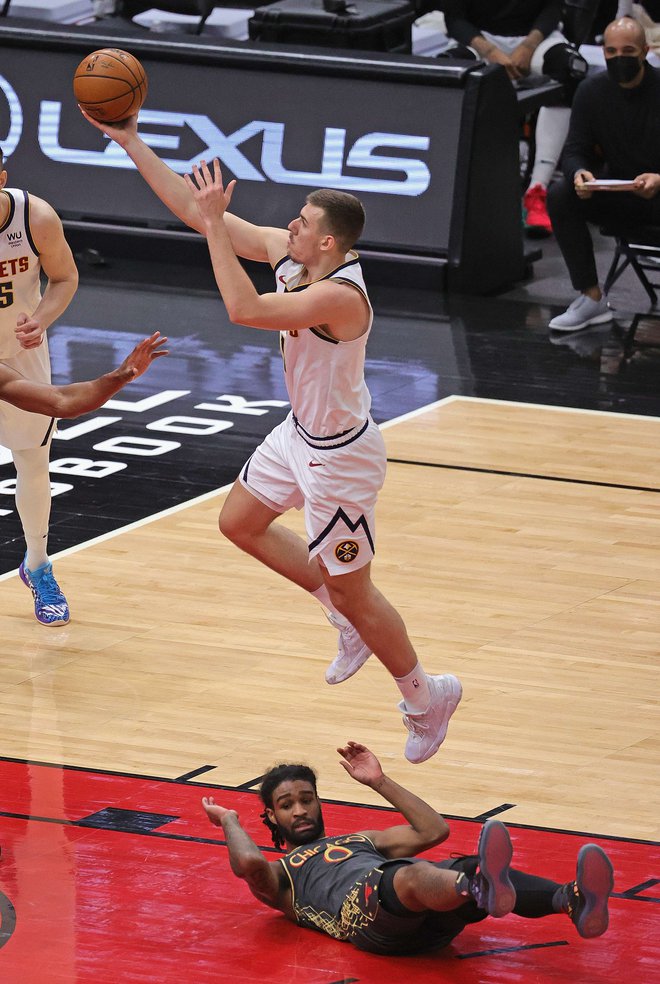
x,y
414,687
36,555
323,595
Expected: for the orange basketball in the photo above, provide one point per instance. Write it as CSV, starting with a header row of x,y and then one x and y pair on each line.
x,y
110,84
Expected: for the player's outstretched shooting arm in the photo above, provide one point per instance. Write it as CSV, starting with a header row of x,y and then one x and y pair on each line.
x,y
425,828
261,243
73,399
266,879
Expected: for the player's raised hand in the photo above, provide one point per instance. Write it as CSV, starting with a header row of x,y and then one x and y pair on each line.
x,y
120,132
360,763
143,355
210,195
215,812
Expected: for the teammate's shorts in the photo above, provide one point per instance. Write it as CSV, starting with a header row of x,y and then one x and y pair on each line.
x,y
337,486
19,429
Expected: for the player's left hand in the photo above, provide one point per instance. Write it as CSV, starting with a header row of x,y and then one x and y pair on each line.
x,y
143,355
646,185
360,763
29,332
211,197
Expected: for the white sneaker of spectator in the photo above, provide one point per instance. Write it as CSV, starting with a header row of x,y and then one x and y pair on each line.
x,y
584,311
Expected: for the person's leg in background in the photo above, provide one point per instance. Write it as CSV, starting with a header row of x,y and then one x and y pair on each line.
x,y
558,60
551,131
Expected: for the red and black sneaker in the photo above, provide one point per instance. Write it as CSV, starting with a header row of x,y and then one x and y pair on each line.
x,y
490,886
537,220
585,899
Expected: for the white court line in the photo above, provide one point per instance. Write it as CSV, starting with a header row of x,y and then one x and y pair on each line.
x,y
416,413
388,423
131,526
545,406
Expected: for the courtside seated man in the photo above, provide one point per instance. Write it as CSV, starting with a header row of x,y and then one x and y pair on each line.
x,y
614,133
370,889
328,456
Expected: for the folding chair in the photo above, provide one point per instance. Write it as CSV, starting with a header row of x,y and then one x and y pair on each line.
x,y
640,250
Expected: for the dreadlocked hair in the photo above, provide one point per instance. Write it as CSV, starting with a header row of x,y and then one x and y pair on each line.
x,y
272,779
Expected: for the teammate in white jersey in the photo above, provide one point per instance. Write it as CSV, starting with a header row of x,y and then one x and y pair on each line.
x,y
328,456
32,242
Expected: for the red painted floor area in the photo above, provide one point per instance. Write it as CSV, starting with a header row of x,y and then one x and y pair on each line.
x,y
82,904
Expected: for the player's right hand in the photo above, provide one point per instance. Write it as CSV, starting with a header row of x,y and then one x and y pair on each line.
x,y
119,132
215,812
28,331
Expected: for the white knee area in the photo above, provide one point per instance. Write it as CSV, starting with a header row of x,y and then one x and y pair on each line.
x,y
341,601
551,132
234,527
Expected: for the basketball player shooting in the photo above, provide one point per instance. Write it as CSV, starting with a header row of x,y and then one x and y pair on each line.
x,y
328,456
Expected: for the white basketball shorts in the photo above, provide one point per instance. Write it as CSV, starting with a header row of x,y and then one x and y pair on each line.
x,y
337,487
19,429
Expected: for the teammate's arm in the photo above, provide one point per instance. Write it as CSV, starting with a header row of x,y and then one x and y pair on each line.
x,y
73,399
59,266
261,243
425,827
266,879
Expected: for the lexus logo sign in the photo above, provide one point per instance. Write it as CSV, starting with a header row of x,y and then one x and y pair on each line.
x,y
9,141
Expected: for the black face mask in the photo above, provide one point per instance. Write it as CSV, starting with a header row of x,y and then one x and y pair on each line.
x,y
623,68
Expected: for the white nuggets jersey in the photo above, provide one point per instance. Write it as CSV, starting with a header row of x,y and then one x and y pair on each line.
x,y
325,376
20,287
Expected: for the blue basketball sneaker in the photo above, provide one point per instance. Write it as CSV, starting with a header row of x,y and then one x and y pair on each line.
x,y
50,605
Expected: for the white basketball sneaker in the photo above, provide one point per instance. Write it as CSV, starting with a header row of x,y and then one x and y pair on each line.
x,y
429,729
352,652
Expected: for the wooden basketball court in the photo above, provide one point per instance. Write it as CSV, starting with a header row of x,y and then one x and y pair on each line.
x,y
520,544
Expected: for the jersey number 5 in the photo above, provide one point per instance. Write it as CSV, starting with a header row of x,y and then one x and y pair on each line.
x,y
6,294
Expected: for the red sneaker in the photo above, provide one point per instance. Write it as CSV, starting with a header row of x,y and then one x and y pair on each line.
x,y
537,221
